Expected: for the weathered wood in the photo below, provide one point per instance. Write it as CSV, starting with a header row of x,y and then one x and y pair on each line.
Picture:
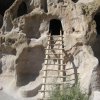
x,y
60,67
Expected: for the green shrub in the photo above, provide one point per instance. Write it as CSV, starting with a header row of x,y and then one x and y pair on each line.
x,y
68,93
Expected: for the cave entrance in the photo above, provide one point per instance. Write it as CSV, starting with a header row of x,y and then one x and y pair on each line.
x,y
4,5
75,1
97,20
55,27
96,46
22,10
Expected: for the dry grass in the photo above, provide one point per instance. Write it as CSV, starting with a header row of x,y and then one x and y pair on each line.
x,y
72,93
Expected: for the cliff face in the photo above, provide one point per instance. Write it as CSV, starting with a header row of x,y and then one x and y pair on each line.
x,y
23,36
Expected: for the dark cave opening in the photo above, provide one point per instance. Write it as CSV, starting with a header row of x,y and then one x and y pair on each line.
x,y
1,21
22,10
55,27
60,1
75,1
44,5
96,46
4,5
97,20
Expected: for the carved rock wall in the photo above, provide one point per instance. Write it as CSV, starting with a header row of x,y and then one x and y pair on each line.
x,y
23,37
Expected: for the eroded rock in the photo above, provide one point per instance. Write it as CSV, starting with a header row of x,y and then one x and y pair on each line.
x,y
23,38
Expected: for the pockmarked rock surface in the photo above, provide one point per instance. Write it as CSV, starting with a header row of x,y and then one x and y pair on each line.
x,y
24,26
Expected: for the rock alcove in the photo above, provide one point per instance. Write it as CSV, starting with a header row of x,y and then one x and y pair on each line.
x,y
22,10
55,27
96,47
4,5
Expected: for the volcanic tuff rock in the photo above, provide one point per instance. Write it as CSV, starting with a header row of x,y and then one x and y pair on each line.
x,y
23,37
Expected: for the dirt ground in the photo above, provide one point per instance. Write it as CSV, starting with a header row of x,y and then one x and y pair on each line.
x,y
4,96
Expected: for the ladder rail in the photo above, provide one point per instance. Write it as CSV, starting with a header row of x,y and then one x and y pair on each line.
x,y
46,61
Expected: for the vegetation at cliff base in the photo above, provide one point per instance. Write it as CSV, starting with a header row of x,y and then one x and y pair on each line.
x,y
72,93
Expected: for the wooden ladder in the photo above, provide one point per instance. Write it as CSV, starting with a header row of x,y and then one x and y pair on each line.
x,y
54,70
54,73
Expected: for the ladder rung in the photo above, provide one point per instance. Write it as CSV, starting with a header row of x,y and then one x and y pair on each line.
x,y
52,90
58,76
62,83
53,54
54,40
59,70
55,35
55,44
56,64
54,49
54,59
54,70
55,84
47,91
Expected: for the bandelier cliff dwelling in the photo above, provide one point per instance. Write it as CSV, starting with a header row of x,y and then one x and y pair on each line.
x,y
49,41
